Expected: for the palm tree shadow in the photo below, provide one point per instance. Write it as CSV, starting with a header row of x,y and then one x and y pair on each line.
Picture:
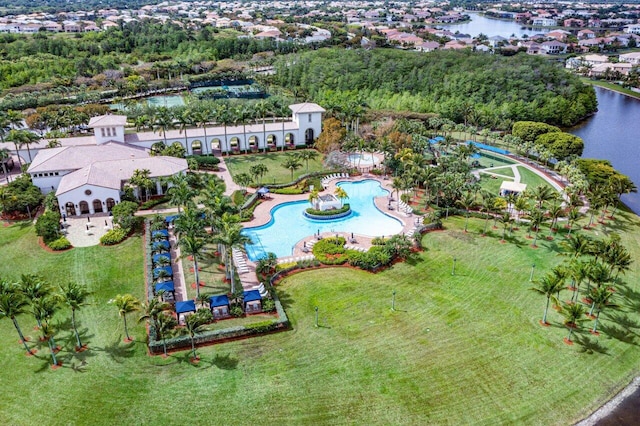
x,y
225,362
624,321
619,334
118,350
284,297
590,346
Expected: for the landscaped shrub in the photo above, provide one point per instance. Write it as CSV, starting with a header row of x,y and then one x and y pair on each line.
x,y
290,190
60,244
375,257
332,212
206,162
19,197
285,266
114,236
261,327
123,214
268,305
236,311
48,226
238,197
331,251
149,204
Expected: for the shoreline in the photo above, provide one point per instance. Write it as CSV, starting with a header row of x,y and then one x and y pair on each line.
x,y
611,405
595,83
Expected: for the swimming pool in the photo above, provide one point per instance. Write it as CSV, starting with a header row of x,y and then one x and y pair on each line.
x,y
288,225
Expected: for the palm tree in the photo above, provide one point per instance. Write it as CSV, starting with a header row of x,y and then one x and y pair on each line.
x,y
185,119
341,194
258,171
163,121
548,286
572,217
180,192
313,197
193,325
165,324
12,304
467,202
506,221
152,310
541,194
306,155
126,304
578,272
487,206
536,218
598,274
292,163
230,236
22,138
75,297
599,300
142,180
261,109
192,245
4,156
243,179
573,317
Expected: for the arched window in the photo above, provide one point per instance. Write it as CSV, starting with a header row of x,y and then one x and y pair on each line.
x,y
308,137
84,207
253,143
272,141
289,139
215,144
234,144
70,209
97,206
196,147
110,203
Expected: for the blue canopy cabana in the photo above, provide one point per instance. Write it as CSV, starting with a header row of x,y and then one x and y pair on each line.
x,y
170,219
167,269
160,233
251,296
185,306
263,190
166,286
156,257
219,300
160,244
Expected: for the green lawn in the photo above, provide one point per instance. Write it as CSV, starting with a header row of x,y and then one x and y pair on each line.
x,y
504,171
273,160
490,184
532,179
459,349
489,160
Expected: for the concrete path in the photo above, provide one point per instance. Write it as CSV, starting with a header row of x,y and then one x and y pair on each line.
x,y
83,232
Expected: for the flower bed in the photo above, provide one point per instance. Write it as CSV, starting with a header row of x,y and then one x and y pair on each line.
x,y
328,214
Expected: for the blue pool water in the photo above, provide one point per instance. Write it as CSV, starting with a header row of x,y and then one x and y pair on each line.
x,y
288,225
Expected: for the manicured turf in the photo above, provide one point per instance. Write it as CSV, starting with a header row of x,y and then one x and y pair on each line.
x,y
504,171
273,160
490,184
459,349
532,179
489,160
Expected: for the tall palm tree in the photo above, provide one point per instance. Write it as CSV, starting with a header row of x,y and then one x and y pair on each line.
x,y
313,196
341,194
230,236
548,286
578,272
185,118
152,310
180,192
163,121
572,217
292,163
600,298
75,296
165,325
573,317
126,304
306,155
259,170
22,138
506,221
192,246
536,218
261,109
12,304
193,325
4,156
541,194
467,202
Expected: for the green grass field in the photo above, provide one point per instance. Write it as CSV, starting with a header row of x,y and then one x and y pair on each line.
x,y
532,179
273,160
458,350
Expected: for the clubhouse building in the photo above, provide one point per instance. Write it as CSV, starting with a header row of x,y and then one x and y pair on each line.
x,y
88,173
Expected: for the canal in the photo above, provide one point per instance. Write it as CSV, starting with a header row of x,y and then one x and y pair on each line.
x,y
613,134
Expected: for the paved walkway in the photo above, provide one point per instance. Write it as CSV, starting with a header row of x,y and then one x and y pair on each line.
x,y
86,231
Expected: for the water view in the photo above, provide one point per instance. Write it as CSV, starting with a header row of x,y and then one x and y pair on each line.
x,y
480,24
612,134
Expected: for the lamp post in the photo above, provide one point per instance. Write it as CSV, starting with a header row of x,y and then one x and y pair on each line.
x,y
393,300
533,268
453,269
316,309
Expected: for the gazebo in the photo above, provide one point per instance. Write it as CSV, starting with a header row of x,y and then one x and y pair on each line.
x,y
167,269
508,188
219,306
252,301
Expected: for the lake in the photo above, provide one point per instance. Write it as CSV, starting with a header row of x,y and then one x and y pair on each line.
x,y
490,27
613,134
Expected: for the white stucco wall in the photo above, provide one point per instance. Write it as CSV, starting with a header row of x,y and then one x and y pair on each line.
x,y
78,195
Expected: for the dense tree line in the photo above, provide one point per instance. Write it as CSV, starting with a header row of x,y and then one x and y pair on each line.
x,y
466,87
43,58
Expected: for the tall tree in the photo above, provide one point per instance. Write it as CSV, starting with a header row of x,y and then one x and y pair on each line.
x,y
548,286
126,304
12,304
292,163
75,296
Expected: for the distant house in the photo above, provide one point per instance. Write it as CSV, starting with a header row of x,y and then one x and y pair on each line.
x,y
586,34
543,22
553,47
454,45
631,58
497,41
428,46
601,69
560,35
632,29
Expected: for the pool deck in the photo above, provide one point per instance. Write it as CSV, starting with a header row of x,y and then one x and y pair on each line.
x,y
262,215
